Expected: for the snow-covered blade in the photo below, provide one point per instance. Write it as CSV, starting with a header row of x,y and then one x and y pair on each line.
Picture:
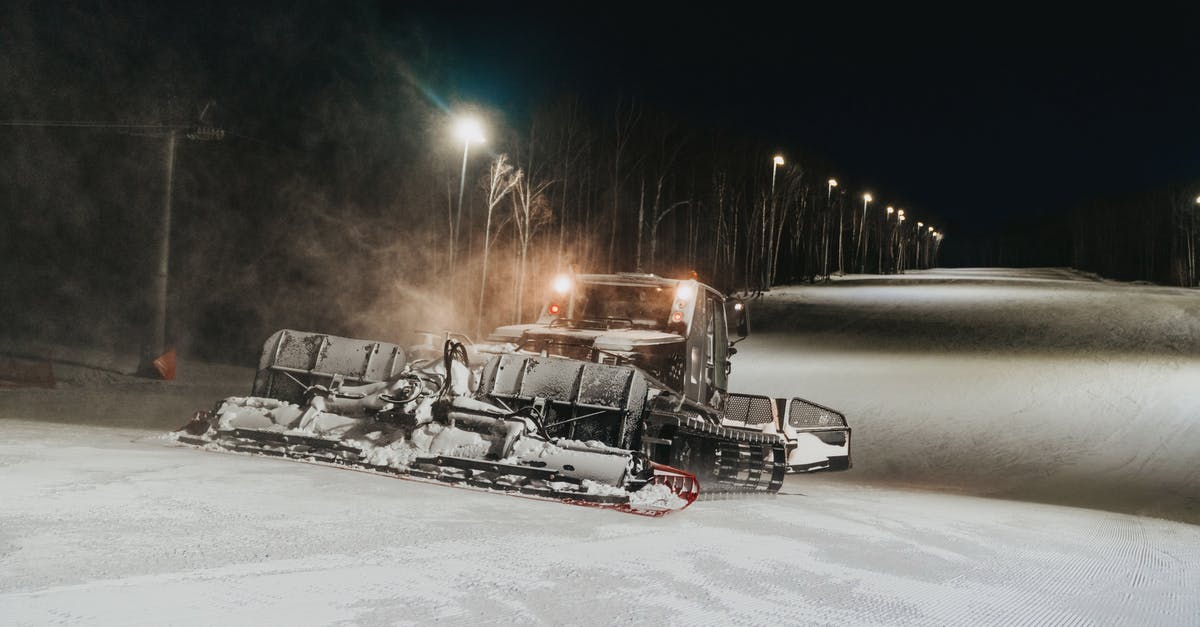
x,y
292,361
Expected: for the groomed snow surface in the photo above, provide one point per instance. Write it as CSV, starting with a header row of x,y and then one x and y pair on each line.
x,y
1025,452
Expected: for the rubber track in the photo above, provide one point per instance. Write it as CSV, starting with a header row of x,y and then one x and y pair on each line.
x,y
742,465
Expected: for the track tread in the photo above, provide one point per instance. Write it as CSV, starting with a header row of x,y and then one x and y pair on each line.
x,y
742,467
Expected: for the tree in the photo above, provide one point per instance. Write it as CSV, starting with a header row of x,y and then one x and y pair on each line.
x,y
531,211
500,183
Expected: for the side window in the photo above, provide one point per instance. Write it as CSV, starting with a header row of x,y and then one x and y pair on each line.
x,y
710,335
718,345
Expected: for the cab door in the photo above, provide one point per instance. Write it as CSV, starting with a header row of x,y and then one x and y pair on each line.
x,y
716,340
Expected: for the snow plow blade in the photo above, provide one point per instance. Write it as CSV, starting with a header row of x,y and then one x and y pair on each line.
x,y
292,361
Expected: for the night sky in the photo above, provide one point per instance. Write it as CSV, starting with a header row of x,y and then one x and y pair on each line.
x,y
973,118
978,115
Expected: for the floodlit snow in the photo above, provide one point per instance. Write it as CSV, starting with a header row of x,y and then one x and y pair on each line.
x,y
981,402
1045,385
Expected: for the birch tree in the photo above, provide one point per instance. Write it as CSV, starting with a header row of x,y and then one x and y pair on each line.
x,y
531,211
500,183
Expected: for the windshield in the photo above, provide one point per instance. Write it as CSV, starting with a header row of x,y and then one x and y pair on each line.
x,y
643,306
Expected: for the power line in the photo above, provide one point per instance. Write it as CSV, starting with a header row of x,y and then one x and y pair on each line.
x,y
92,124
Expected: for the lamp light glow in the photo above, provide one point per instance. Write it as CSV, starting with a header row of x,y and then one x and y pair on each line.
x,y
469,130
561,284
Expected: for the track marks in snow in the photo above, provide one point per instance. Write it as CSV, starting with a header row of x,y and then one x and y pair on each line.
x,y
269,540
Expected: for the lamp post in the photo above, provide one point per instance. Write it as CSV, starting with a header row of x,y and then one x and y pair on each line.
x,y
825,227
917,250
862,232
929,247
467,130
768,226
1192,279
887,222
775,163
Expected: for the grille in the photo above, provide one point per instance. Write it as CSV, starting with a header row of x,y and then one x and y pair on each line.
x,y
805,415
752,410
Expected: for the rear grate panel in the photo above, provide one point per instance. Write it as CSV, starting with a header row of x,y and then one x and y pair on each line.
x,y
749,409
805,415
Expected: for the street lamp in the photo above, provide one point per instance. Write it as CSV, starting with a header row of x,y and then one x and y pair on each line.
x,y
467,130
825,220
929,247
917,245
862,232
775,163
885,233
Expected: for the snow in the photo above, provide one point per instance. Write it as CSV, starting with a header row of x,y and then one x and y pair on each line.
x,y
656,496
1044,385
983,403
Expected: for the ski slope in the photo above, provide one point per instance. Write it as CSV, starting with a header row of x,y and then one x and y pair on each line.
x,y
1024,448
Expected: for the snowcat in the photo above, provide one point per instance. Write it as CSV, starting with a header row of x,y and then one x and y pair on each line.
x,y
616,396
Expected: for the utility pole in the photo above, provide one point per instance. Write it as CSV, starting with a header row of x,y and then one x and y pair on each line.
x,y
158,343
158,348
